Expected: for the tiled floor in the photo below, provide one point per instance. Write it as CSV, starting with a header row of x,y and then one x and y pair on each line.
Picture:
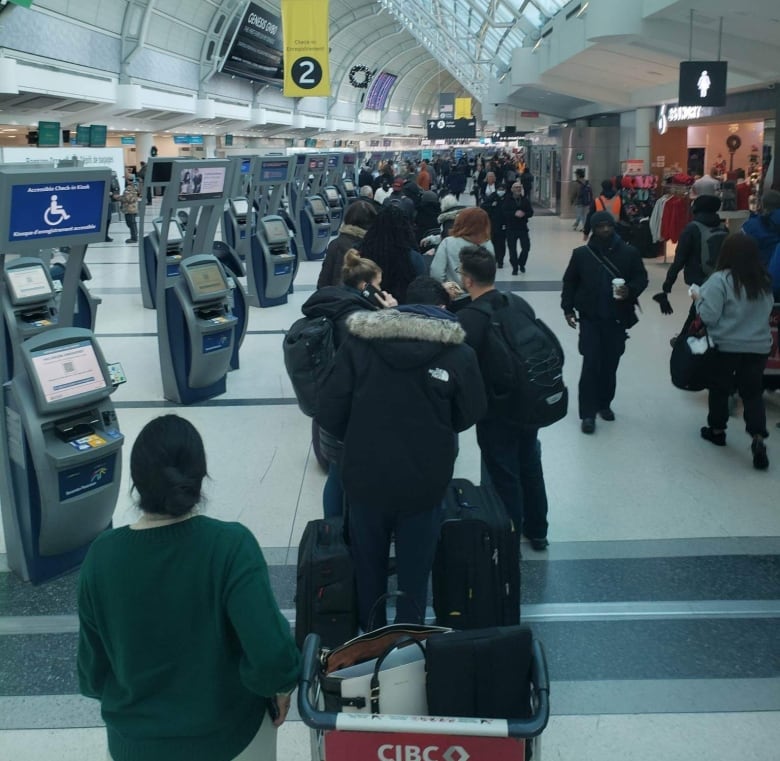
x,y
658,599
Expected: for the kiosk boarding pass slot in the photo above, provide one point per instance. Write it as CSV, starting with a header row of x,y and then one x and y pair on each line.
x,y
77,427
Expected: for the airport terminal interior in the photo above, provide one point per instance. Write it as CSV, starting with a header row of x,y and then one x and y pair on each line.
x,y
658,598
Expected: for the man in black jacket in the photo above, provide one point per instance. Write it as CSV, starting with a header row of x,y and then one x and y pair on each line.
x,y
687,257
403,384
605,310
517,211
511,454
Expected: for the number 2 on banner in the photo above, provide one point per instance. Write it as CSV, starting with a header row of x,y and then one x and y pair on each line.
x,y
306,73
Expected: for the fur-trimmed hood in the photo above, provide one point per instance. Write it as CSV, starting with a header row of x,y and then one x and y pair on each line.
x,y
392,324
405,340
354,230
449,215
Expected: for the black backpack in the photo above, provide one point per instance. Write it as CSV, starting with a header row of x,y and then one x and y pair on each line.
x,y
309,351
522,365
710,241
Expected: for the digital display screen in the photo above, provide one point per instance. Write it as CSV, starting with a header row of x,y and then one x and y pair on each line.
x,y
206,279
240,206
349,158
312,164
331,194
56,209
174,231
333,162
377,96
318,206
199,183
63,372
245,164
28,283
161,171
349,185
273,171
276,230
300,159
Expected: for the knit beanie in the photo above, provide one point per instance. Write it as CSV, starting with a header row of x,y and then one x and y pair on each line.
x,y
706,204
601,218
770,201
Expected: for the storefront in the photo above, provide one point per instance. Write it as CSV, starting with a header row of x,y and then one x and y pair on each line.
x,y
733,143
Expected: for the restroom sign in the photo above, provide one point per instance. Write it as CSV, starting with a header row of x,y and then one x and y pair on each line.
x,y
702,83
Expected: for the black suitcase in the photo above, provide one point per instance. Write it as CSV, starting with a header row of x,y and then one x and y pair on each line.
x,y
476,571
325,597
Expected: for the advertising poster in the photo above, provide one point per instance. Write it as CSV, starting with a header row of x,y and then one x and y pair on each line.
x,y
256,50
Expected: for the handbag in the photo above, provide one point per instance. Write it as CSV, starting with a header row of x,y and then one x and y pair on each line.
x,y
692,352
380,671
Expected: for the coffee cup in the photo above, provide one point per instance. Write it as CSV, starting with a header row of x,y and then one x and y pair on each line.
x,y
617,283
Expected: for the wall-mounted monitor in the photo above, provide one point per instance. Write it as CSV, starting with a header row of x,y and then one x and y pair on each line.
x,y
199,183
161,171
376,100
276,231
318,206
331,194
28,284
66,369
205,279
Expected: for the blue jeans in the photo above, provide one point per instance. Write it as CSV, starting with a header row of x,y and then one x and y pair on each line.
x,y
416,536
512,458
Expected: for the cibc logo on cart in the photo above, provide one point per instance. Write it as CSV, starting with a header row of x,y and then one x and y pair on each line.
x,y
417,753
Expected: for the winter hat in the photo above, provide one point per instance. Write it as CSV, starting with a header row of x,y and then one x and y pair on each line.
x,y
601,218
607,186
770,201
449,202
706,204
398,183
429,196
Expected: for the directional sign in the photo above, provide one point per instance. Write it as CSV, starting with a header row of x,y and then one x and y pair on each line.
x,y
445,129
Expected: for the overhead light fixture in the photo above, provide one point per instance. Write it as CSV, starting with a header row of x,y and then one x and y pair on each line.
x,y
537,46
582,10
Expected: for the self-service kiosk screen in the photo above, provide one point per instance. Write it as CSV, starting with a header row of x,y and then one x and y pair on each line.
x,y
27,284
199,183
276,230
331,194
318,206
273,171
174,231
349,185
240,206
333,162
245,164
68,370
205,280
349,158
161,171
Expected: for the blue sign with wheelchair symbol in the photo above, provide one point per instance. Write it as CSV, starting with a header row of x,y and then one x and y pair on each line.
x,y
54,210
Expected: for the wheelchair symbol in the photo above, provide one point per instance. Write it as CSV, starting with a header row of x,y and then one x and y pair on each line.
x,y
55,213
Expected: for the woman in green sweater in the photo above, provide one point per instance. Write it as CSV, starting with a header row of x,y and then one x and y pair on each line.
x,y
180,637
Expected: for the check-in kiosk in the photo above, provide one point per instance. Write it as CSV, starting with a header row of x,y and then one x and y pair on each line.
x,y
87,303
347,183
310,210
315,224
201,331
272,264
196,328
332,190
335,207
238,217
63,451
60,444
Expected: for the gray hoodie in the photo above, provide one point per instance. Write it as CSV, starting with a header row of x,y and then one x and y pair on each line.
x,y
735,324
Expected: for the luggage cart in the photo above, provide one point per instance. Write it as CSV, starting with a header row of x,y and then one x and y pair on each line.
x,y
380,737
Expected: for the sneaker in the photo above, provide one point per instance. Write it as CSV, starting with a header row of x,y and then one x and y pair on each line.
x,y
132,240
760,460
718,439
514,270
588,425
522,269
607,414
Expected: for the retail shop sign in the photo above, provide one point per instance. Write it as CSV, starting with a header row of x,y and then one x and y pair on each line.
x,y
670,114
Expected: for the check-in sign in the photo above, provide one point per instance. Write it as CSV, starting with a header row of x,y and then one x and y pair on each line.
x,y
305,30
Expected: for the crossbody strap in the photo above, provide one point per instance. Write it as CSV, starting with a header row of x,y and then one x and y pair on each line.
x,y
605,263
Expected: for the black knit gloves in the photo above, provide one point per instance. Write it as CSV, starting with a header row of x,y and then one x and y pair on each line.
x,y
663,302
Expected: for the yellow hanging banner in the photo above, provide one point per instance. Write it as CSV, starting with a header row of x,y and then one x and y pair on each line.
x,y
463,108
306,33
